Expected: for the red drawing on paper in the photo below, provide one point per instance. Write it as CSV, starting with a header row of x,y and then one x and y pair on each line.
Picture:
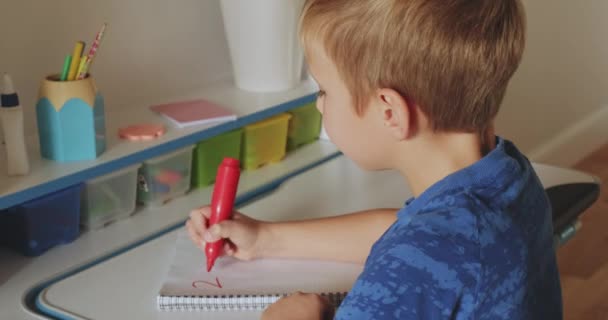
x,y
196,284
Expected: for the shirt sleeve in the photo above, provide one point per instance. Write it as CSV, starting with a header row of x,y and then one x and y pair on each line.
x,y
424,269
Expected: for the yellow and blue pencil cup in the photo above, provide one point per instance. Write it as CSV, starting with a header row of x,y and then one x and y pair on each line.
x,y
71,119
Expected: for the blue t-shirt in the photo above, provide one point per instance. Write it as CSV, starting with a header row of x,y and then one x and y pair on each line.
x,y
475,245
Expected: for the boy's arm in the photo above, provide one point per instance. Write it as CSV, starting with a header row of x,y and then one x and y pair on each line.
x,y
345,238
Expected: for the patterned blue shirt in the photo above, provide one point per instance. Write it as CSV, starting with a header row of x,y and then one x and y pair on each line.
x,y
476,245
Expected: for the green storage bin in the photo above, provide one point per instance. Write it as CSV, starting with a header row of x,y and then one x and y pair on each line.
x,y
265,141
304,126
209,153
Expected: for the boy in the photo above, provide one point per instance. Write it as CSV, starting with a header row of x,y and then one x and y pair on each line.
x,y
414,85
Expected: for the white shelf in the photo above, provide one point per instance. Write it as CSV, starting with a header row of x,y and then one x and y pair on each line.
x,y
47,176
19,274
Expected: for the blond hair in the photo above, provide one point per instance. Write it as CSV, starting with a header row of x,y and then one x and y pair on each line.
x,y
453,58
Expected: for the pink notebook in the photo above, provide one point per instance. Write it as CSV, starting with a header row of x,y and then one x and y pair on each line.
x,y
194,112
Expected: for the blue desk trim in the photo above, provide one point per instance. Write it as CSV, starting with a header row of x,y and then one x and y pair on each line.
x,y
138,157
32,299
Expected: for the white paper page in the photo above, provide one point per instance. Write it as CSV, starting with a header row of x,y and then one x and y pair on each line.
x,y
188,275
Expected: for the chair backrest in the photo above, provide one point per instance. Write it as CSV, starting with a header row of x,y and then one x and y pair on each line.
x,y
568,202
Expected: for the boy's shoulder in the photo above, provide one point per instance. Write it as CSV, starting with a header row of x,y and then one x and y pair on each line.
x,y
489,191
455,225
456,258
431,258
465,247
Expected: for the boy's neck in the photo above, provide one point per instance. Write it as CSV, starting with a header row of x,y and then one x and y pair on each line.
x,y
429,158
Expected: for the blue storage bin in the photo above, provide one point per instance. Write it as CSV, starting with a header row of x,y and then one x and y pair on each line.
x,y
40,224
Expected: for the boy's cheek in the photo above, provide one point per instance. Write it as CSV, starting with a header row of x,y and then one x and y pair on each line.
x,y
319,104
323,135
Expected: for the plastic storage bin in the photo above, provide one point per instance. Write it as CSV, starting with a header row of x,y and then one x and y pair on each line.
x,y
304,126
264,141
208,155
164,178
108,198
40,224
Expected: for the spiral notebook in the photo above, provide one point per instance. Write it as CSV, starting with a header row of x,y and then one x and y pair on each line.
x,y
247,285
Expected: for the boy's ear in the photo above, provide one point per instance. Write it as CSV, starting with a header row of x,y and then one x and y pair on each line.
x,y
397,115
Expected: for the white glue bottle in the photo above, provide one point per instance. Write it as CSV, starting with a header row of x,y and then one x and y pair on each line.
x,y
11,114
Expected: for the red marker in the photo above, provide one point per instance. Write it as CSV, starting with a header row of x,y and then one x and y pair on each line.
x,y
222,202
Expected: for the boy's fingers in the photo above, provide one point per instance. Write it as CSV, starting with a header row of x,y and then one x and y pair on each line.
x,y
228,250
223,229
212,234
205,211
195,217
198,220
194,236
192,231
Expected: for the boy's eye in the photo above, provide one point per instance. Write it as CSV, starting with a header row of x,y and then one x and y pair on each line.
x,y
320,93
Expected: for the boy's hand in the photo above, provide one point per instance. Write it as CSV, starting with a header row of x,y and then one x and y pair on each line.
x,y
242,233
304,306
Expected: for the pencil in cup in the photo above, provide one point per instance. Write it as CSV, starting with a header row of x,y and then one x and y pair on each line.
x,y
92,52
76,55
81,67
66,68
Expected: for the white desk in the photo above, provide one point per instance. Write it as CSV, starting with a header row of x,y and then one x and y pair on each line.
x,y
19,274
125,286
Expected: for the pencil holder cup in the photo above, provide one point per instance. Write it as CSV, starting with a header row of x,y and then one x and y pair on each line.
x,y
71,120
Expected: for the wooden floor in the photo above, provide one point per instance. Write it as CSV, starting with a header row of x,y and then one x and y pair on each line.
x,y
583,261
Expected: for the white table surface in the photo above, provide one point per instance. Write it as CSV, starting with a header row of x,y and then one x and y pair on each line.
x,y
18,274
125,287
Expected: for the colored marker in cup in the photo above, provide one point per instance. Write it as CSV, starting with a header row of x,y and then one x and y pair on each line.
x,y
66,68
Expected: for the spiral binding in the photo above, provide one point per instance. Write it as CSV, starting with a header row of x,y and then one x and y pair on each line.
x,y
229,302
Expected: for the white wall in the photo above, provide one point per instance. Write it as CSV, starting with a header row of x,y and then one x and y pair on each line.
x,y
555,110
152,48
